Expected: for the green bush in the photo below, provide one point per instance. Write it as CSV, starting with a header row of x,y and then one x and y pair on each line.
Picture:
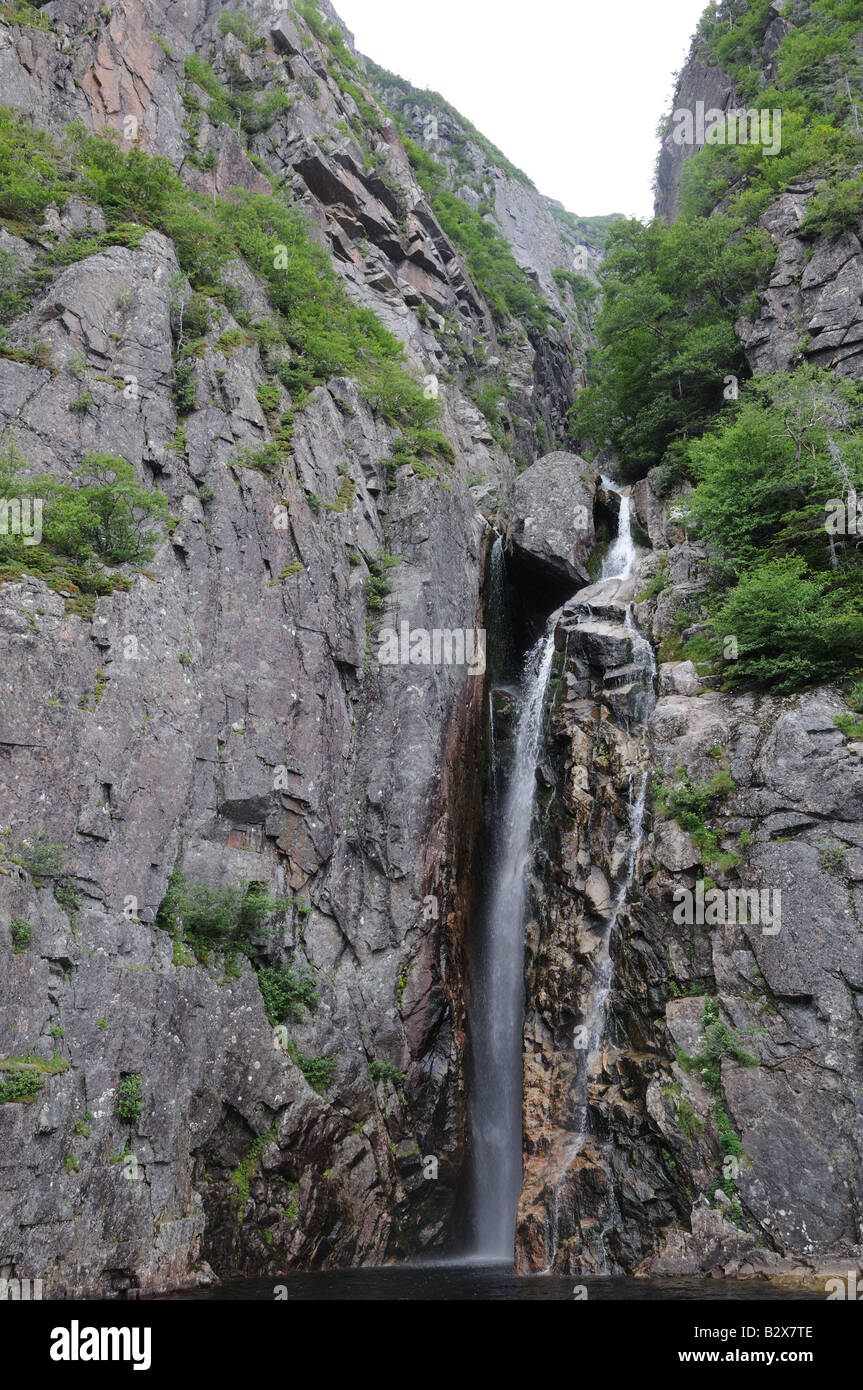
x,y
228,918
20,1086
834,209
102,517
385,1071
129,1101
267,459
286,992
379,586
320,1072
419,448
23,13
21,932
184,390
243,27
269,397
42,859
688,806
105,517
583,290
792,627
227,102
46,861
30,178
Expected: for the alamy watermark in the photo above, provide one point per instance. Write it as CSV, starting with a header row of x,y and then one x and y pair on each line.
x,y
842,1289
845,515
21,516
439,646
735,127
714,907
20,1290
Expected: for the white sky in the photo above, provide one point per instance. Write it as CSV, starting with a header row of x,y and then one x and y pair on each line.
x,y
570,90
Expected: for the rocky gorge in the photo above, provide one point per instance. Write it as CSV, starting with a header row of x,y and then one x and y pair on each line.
x,y
241,857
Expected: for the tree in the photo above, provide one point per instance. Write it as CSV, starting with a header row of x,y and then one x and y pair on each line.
x,y
767,471
666,333
792,628
105,517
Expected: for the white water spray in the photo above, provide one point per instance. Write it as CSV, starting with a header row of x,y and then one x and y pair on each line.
x,y
497,1006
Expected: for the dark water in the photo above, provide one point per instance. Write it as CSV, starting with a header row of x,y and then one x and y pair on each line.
x,y
436,1283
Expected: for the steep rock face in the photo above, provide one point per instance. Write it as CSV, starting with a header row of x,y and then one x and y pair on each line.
x,y
544,238
702,81
226,712
698,82
809,310
750,1166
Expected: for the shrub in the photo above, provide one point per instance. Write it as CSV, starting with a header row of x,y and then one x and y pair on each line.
x,y
20,1086
21,932
835,209
267,459
105,516
385,1071
688,806
129,1102
269,397
181,956
415,448
220,918
583,290
320,1072
184,391
287,991
29,175
42,859
242,26
379,586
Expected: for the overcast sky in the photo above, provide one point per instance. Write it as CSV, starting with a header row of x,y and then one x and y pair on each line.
x,y
570,90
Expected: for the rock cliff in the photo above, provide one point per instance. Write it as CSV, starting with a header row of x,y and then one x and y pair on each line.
x,y
219,713
284,342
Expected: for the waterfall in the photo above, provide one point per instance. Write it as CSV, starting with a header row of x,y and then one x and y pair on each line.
x,y
497,999
500,646
620,563
621,559
589,1036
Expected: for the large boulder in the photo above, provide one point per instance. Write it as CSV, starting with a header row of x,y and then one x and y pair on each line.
x,y
551,530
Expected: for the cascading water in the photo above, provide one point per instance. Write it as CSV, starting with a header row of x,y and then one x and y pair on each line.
x,y
497,995
589,1036
620,561
497,999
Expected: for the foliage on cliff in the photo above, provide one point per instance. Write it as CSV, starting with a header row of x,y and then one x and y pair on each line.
x,y
663,388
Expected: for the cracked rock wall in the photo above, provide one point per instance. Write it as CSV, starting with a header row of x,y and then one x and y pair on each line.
x,y
224,714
